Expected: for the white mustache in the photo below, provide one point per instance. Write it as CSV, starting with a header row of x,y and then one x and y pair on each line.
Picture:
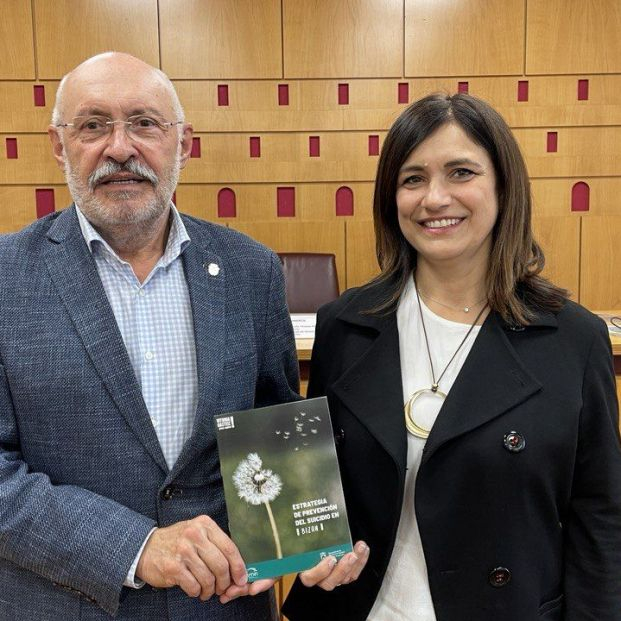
x,y
132,166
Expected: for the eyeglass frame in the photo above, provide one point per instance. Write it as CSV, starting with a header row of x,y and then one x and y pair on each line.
x,y
163,125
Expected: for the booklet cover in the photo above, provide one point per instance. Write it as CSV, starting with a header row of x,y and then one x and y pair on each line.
x,y
282,487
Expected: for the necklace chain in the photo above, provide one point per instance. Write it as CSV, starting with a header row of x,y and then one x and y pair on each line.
x,y
465,309
412,426
434,386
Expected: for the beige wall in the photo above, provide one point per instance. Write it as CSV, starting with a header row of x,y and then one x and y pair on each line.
x,y
315,49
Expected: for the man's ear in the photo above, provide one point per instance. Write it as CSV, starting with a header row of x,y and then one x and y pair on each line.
x,y
186,144
58,150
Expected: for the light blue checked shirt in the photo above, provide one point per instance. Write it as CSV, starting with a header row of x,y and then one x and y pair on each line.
x,y
155,321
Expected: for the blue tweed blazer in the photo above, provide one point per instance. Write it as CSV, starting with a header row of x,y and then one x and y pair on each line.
x,y
82,475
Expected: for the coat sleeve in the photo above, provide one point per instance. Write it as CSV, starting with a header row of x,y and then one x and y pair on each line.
x,y
592,528
78,540
278,380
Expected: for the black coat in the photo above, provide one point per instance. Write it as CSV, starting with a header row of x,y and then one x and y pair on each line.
x,y
517,535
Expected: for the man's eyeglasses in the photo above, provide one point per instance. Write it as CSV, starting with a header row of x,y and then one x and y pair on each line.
x,y
139,127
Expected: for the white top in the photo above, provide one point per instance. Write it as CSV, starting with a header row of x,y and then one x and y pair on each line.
x,y
405,593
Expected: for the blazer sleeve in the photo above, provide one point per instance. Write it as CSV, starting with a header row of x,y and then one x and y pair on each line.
x,y
79,540
592,528
278,380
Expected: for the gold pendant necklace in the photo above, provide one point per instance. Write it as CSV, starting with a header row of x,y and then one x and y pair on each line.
x,y
416,429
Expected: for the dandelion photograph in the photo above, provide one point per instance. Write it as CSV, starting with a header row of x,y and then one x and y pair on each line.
x,y
282,485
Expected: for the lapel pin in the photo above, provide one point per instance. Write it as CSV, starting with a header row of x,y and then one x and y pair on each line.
x,y
213,269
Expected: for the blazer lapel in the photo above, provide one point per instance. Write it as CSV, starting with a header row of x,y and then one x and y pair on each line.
x,y
74,274
206,278
371,388
492,380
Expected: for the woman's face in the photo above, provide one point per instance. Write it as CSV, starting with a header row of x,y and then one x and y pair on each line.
x,y
446,200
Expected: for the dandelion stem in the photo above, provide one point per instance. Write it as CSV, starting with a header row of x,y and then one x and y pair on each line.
x,y
274,529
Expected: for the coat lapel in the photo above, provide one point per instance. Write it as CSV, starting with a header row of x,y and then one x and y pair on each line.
x,y
74,274
371,388
206,278
492,380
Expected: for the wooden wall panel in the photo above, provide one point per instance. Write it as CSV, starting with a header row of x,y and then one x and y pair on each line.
x,y
361,262
225,158
442,40
373,104
254,202
552,197
317,201
19,205
356,38
221,39
572,36
258,202
16,41
34,164
600,283
300,237
559,237
18,112
581,151
68,32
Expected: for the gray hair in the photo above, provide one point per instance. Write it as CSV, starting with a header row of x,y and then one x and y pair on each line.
x,y
176,103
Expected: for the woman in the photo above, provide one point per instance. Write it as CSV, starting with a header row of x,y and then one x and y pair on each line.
x,y
510,509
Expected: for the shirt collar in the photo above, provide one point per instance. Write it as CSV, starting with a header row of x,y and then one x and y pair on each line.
x,y
178,238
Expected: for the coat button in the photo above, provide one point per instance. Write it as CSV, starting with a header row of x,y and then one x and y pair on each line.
x,y
514,441
499,577
168,492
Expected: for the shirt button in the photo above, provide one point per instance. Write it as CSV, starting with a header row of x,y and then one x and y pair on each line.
x,y
499,577
149,355
142,292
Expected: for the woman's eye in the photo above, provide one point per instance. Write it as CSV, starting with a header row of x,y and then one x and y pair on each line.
x,y
462,173
412,180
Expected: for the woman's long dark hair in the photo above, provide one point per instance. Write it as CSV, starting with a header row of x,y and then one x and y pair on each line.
x,y
514,286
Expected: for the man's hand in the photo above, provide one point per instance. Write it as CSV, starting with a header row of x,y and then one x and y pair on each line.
x,y
195,555
330,574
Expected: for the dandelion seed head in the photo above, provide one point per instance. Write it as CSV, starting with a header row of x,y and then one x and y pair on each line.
x,y
255,484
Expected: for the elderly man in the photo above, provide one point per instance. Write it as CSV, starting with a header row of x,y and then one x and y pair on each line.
x,y
124,327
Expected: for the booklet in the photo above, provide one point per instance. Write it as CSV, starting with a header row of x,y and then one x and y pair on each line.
x,y
282,487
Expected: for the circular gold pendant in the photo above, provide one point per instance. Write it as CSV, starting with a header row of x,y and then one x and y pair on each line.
x,y
412,426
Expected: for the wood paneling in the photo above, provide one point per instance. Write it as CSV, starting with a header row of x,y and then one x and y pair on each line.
x,y
225,158
221,39
35,163
19,205
68,32
361,261
348,38
573,36
295,236
559,237
582,151
465,37
552,197
18,112
16,41
600,283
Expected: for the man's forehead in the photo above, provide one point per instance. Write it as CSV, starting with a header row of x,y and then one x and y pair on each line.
x,y
112,93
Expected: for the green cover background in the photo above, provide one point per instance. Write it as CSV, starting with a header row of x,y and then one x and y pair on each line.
x,y
309,473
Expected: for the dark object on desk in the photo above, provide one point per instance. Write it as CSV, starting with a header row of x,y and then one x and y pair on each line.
x,y
310,280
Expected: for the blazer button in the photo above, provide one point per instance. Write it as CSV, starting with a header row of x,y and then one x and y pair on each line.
x,y
499,577
514,441
168,492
